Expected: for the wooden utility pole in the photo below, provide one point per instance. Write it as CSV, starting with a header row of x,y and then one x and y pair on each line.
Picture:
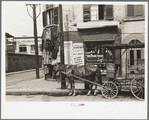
x,y
36,41
62,78
33,6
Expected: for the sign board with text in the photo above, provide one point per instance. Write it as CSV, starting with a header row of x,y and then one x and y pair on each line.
x,y
68,52
78,54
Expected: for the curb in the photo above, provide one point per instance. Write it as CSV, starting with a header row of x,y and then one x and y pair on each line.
x,y
53,93
50,93
22,71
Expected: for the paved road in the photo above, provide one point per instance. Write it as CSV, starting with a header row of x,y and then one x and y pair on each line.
x,y
25,76
82,98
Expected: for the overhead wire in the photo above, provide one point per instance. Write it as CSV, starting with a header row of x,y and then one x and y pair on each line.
x,y
18,27
35,8
28,11
16,17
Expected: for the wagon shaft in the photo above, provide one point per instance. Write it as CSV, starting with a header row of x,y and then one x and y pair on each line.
x,y
82,79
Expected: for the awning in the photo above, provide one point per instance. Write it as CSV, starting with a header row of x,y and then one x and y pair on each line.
x,y
97,24
125,46
101,40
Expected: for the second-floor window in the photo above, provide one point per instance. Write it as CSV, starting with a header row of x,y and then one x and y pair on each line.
x,y
97,12
53,15
105,12
50,16
135,11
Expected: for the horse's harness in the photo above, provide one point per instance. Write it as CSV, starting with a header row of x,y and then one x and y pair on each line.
x,y
81,71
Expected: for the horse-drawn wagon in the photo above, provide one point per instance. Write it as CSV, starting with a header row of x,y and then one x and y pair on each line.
x,y
115,83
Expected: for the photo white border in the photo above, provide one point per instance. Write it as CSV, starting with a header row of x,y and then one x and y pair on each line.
x,y
64,110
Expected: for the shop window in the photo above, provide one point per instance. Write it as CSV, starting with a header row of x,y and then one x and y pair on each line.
x,y
50,16
22,48
96,54
100,12
135,11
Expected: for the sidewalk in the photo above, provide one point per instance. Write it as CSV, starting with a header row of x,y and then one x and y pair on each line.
x,y
11,73
42,87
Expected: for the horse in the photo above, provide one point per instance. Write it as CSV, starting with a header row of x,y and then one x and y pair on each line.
x,y
88,72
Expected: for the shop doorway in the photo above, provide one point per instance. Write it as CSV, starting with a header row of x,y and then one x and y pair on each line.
x,y
135,58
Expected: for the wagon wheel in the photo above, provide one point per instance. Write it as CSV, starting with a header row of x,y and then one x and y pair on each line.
x,y
109,90
119,85
137,88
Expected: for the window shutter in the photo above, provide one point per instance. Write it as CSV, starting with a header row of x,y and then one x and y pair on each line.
x,y
138,10
130,10
52,16
94,10
86,13
49,11
109,12
44,16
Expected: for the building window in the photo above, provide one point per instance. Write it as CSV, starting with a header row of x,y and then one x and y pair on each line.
x,y
86,13
135,11
50,16
101,12
138,54
55,16
109,12
44,17
131,57
97,12
32,48
105,12
134,42
22,48
40,47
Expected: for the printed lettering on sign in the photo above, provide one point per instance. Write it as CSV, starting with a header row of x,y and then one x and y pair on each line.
x,y
78,54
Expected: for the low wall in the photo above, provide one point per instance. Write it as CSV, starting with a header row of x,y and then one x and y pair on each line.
x,y
18,62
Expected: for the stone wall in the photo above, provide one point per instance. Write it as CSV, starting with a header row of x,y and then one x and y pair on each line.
x,y
18,62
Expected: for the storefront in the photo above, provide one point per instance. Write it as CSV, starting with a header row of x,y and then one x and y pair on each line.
x,y
96,41
135,56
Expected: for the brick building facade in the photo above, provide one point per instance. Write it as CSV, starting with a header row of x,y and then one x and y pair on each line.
x,y
100,24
